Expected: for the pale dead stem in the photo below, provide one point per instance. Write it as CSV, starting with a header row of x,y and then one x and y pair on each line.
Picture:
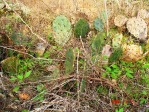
x,y
78,85
7,5
107,21
75,5
44,59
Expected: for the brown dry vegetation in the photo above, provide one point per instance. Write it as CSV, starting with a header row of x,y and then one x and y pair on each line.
x,y
64,93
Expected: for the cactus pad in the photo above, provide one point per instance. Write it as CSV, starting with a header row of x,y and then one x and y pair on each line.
x,y
62,29
117,40
81,28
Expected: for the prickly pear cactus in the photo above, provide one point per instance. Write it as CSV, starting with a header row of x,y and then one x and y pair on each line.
x,y
62,29
117,53
81,28
98,42
117,40
69,62
98,24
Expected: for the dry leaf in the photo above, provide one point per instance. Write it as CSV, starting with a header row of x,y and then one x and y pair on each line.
x,y
116,102
24,96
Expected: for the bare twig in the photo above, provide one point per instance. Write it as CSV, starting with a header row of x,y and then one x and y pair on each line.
x,y
78,81
44,59
62,84
77,63
76,5
107,21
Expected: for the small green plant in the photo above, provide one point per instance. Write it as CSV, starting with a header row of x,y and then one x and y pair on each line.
x,y
25,110
119,110
81,28
143,101
22,70
113,71
16,89
129,72
21,77
102,90
41,92
62,29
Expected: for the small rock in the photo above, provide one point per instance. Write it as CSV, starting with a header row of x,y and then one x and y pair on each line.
x,y
120,20
138,28
106,52
132,53
40,48
143,14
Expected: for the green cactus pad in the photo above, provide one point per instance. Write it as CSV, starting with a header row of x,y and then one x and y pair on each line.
x,y
117,53
98,24
98,42
117,40
81,28
69,62
62,29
